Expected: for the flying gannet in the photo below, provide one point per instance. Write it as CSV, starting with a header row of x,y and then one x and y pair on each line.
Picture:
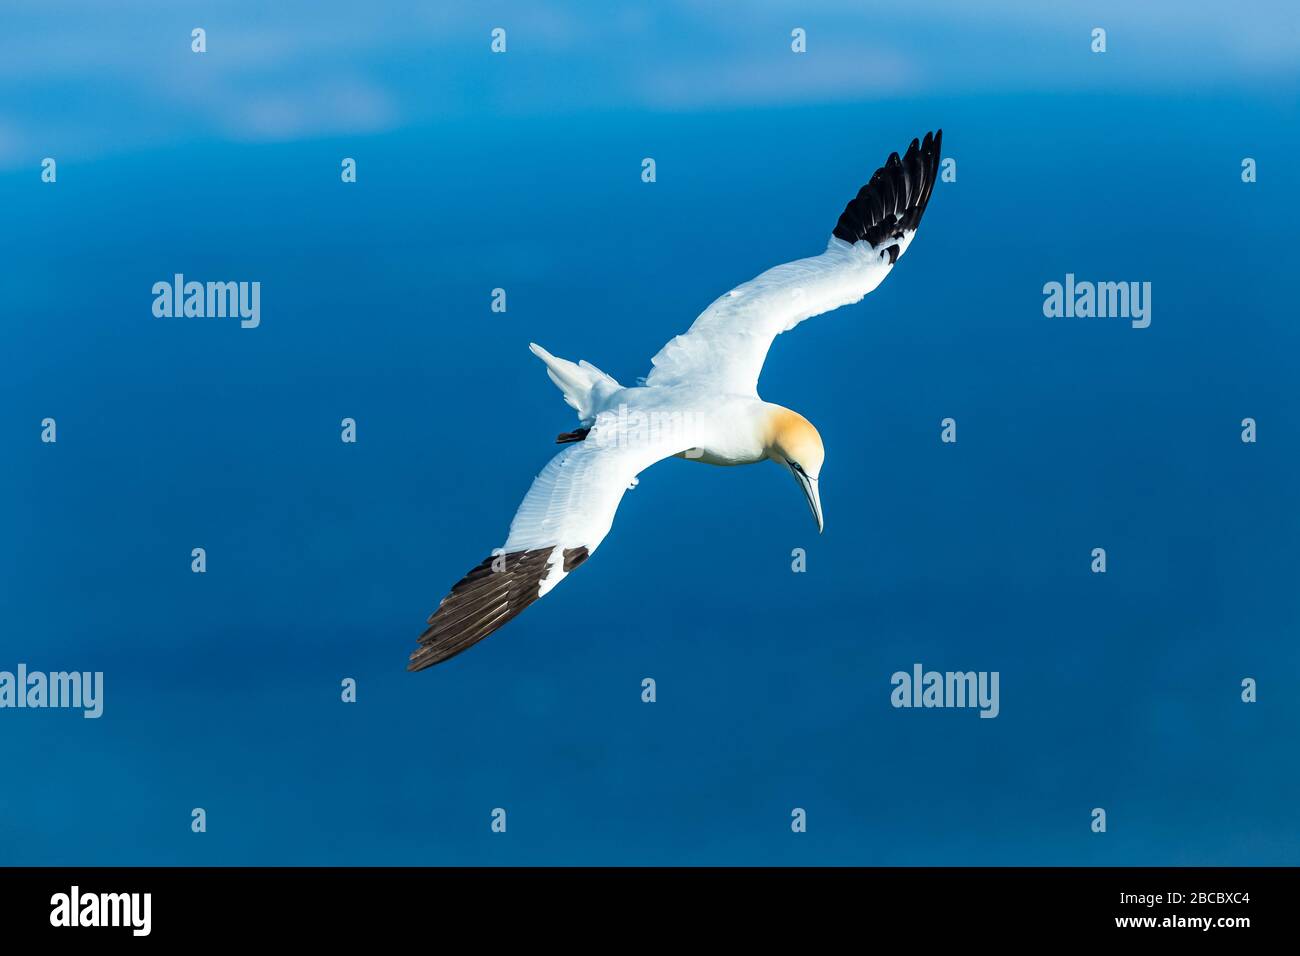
x,y
699,402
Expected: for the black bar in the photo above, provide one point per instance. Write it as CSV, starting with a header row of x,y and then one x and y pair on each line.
x,y
334,904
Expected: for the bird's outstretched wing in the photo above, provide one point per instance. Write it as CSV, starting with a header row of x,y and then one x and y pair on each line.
x,y
565,515
726,346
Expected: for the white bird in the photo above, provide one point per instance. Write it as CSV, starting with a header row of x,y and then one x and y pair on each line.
x,y
700,402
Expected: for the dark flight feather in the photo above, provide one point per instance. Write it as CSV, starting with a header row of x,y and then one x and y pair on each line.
x,y
578,434
894,199
493,593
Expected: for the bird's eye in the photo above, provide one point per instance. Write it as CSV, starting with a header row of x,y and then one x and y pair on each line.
x,y
799,468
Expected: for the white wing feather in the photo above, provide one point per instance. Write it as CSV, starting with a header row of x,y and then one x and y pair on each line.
x,y
726,346
562,520
572,502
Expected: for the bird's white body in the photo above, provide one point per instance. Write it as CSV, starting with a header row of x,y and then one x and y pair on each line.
x,y
630,430
720,429
699,402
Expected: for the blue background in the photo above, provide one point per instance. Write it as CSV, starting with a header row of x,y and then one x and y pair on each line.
x,y
522,171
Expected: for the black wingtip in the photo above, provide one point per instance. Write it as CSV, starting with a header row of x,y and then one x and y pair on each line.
x,y
489,596
894,199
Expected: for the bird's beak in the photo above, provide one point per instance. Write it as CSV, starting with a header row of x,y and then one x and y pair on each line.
x,y
809,486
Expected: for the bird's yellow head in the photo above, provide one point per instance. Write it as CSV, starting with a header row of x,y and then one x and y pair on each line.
x,y
792,441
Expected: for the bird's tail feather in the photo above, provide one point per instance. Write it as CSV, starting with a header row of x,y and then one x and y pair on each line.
x,y
583,384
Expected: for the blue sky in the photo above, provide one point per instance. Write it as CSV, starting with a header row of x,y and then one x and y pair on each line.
x,y
87,80
522,171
